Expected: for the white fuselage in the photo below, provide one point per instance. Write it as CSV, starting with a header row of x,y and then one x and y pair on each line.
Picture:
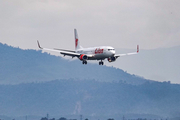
x,y
98,53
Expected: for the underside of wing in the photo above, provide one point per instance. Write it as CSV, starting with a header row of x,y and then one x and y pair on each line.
x,y
72,54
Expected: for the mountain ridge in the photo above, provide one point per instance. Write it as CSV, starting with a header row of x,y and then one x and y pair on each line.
x,y
90,98
33,66
36,83
161,64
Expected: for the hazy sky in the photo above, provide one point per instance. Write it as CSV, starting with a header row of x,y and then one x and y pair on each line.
x,y
118,23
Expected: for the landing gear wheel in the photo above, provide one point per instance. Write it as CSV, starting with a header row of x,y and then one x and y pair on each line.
x,y
101,63
84,62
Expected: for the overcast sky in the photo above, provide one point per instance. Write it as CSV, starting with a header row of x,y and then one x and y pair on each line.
x,y
119,23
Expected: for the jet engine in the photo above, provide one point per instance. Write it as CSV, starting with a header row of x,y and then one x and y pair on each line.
x,y
112,59
83,57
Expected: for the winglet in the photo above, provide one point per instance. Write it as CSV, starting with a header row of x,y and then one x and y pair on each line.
x,y
137,48
39,45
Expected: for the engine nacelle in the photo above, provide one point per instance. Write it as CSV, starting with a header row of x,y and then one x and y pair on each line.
x,y
83,57
112,59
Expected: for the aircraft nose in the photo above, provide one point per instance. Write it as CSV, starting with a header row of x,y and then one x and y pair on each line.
x,y
113,52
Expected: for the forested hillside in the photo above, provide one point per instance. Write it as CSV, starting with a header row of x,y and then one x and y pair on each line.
x,y
36,83
90,98
22,66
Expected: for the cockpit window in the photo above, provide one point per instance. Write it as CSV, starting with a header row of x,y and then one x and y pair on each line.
x,y
110,49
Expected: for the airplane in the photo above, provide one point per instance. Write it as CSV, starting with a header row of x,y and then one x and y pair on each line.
x,y
92,53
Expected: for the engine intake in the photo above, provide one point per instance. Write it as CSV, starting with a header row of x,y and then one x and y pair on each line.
x,y
83,57
112,59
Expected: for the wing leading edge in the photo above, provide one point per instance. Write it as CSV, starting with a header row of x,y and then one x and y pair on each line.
x,y
133,53
61,51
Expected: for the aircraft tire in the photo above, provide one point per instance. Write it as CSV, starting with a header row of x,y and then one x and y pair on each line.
x,y
84,62
101,63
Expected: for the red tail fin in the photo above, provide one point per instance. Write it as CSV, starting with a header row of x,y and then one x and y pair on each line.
x,y
137,48
77,44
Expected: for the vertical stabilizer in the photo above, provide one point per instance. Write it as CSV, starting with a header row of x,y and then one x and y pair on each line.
x,y
77,43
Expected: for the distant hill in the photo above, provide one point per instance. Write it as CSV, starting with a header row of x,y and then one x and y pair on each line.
x,y
92,99
161,64
22,66
35,83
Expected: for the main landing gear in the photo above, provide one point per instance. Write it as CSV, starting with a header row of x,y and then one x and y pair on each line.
x,y
101,63
84,62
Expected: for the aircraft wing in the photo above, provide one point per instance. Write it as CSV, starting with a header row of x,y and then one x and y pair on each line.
x,y
119,55
61,51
